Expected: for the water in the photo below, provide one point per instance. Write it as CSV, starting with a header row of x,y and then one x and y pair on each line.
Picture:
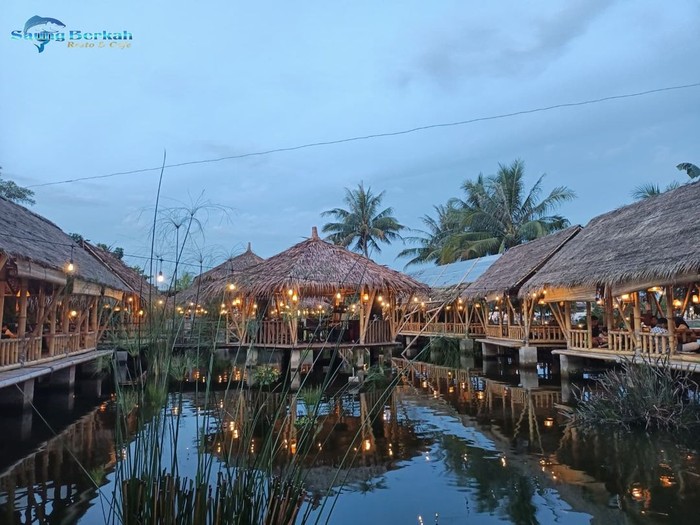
x,y
448,447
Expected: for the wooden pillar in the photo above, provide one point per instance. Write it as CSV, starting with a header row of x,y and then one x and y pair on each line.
x,y
567,316
669,316
22,319
609,314
94,315
589,324
41,310
2,301
65,316
52,322
637,312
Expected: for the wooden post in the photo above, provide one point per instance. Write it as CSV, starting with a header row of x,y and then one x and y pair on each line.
x,y
52,321
22,319
65,316
609,316
40,315
589,324
94,315
2,301
637,312
669,316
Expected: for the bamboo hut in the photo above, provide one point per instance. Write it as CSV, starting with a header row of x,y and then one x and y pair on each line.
x,y
356,298
52,292
446,312
625,267
224,272
510,320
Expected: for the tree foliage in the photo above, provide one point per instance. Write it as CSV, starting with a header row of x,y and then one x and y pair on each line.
x,y
362,226
12,192
496,212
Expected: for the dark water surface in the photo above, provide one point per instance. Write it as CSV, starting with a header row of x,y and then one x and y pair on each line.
x,y
487,445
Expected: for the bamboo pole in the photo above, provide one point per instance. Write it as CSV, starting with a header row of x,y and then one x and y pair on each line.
x,y
609,316
589,325
40,315
637,312
52,321
22,319
669,316
2,301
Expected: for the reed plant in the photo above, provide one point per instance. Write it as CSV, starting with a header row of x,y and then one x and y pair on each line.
x,y
643,393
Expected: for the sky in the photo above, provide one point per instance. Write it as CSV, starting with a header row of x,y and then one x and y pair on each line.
x,y
222,78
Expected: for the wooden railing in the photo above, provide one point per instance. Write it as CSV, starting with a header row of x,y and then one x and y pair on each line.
x,y
516,332
546,334
657,344
578,339
14,351
620,341
65,343
271,333
476,329
493,330
88,340
442,328
378,331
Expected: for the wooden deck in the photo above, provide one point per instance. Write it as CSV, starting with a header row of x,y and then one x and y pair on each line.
x,y
690,362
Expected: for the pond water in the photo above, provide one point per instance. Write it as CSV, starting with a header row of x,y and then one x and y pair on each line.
x,y
449,446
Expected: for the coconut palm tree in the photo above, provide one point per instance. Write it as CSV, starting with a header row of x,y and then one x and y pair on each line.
x,y
499,212
644,191
362,223
431,240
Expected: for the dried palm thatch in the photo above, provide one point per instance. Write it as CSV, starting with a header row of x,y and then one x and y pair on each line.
x,y
316,267
224,273
135,282
26,236
655,239
518,264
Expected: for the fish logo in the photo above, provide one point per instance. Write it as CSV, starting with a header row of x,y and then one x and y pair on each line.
x,y
44,30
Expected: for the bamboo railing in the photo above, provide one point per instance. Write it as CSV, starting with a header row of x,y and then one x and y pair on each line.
x,y
378,331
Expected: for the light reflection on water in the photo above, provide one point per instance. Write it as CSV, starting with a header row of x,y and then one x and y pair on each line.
x,y
465,446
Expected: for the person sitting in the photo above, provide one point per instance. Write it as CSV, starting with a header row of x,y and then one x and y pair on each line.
x,y
661,326
602,339
686,339
7,333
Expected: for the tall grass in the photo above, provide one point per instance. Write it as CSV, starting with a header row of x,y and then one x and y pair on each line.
x,y
643,393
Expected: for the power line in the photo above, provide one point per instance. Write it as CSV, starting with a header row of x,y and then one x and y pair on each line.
x,y
377,135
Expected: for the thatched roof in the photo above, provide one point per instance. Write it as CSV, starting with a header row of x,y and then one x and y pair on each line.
x,y
219,276
26,236
655,239
135,281
518,264
229,267
315,266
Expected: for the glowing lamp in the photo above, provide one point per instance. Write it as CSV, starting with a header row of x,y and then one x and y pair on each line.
x,y
695,299
549,422
231,286
160,277
677,303
365,297
73,313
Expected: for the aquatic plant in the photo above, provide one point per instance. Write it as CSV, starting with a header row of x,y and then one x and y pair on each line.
x,y
265,375
644,392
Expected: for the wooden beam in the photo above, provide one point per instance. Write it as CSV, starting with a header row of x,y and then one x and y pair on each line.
x,y
669,316
589,324
22,319
3,259
637,312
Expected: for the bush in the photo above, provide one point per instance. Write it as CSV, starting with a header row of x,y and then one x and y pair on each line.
x,y
643,393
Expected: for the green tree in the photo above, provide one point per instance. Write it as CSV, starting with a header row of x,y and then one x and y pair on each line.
x,y
362,224
499,212
184,281
432,240
12,192
644,191
650,189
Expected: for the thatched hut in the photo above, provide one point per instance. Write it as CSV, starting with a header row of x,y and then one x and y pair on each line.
x,y
446,312
503,315
42,269
362,294
206,286
630,263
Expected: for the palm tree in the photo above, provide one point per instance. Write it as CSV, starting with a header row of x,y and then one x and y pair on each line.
x,y
499,212
362,223
644,191
432,240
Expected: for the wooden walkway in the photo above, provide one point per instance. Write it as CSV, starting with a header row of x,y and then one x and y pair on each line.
x,y
19,375
690,362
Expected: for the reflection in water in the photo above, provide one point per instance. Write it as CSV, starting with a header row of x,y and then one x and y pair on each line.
x,y
461,444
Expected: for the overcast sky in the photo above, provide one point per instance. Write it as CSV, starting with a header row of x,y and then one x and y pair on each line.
x,y
218,78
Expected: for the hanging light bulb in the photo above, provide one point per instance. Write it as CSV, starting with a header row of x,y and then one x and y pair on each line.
x,y
160,277
71,266
695,299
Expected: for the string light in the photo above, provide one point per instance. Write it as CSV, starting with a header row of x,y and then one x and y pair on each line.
x,y
71,266
160,277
